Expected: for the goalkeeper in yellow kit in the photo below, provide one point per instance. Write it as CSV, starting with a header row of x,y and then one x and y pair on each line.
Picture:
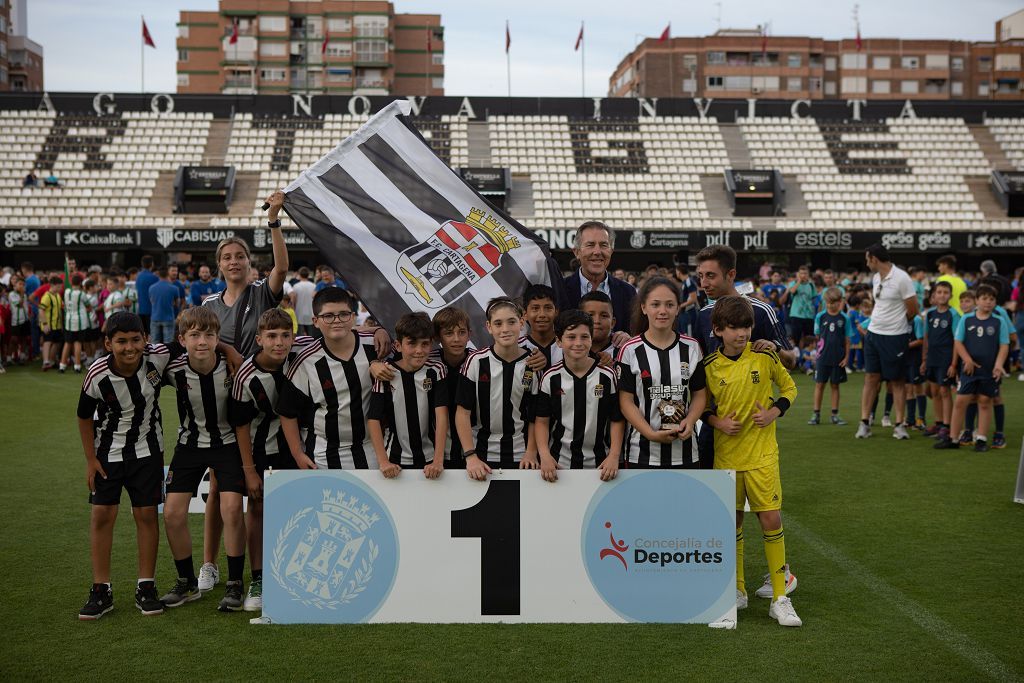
x,y
739,381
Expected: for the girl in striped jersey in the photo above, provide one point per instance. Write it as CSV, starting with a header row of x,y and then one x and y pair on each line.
x,y
329,386
654,373
412,406
577,406
495,397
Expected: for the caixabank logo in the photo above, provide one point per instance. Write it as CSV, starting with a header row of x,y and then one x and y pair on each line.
x,y
659,547
333,550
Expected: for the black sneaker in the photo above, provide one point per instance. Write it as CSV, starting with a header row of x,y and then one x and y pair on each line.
x,y
101,601
980,445
147,600
943,444
233,598
183,591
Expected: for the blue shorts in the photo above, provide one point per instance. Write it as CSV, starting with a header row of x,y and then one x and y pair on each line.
x,y
886,355
981,383
829,373
937,375
914,375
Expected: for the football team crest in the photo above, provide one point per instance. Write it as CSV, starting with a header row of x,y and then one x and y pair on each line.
x,y
457,256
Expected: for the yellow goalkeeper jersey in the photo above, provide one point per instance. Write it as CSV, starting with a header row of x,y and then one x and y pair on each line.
x,y
736,386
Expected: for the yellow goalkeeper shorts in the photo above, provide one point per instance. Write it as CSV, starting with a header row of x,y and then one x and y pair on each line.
x,y
761,487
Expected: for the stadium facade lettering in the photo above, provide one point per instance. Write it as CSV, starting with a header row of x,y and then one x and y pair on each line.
x,y
300,105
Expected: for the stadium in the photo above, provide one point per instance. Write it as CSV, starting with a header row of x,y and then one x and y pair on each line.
x,y
907,557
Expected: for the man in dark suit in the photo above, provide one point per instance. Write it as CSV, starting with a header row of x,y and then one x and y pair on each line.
x,y
593,248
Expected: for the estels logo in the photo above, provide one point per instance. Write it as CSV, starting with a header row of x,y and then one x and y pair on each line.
x,y
618,547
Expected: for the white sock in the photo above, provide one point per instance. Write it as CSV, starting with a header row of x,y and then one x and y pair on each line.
x,y
141,581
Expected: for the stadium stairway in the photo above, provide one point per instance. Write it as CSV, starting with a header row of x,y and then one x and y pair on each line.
x,y
713,188
981,188
217,142
520,202
736,146
991,148
479,146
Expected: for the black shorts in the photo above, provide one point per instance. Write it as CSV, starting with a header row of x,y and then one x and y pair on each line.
x,y
143,478
54,336
801,327
276,461
72,337
22,330
985,385
455,464
914,375
92,334
937,375
886,355
829,374
190,464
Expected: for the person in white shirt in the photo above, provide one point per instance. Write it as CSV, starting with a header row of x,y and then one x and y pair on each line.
x,y
885,348
303,290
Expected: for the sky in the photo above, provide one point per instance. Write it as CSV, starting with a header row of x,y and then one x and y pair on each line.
x,y
94,46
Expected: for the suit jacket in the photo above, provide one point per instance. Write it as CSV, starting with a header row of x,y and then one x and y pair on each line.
x,y
622,295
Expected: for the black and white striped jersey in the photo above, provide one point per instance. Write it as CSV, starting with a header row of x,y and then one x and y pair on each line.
x,y
126,409
452,445
580,410
499,394
331,397
202,403
653,375
253,401
552,352
405,407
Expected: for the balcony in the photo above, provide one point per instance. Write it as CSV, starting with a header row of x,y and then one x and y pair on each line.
x,y
371,58
371,31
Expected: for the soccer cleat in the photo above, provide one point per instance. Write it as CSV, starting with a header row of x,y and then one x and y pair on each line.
x,y
943,433
947,443
183,591
998,440
765,591
147,600
981,446
209,576
815,419
900,432
933,430
966,437
863,431
254,598
782,611
838,421
232,600
101,601
741,599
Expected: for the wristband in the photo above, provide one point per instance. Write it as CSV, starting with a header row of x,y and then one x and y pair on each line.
x,y
782,404
274,224
706,415
470,453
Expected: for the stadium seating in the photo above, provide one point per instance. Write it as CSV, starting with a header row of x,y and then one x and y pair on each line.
x,y
896,170
107,165
1009,133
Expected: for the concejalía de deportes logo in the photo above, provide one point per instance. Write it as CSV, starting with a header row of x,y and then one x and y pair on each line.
x,y
659,547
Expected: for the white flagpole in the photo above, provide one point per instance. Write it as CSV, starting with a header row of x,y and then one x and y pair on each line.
x,y
583,60
142,55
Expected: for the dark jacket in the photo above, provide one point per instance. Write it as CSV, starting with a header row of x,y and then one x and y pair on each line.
x,y
622,295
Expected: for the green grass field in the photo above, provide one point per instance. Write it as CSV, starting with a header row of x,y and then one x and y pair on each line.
x,y
909,562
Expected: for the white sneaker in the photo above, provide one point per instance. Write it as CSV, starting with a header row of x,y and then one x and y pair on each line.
x,y
886,421
209,576
254,598
741,599
863,431
900,432
765,591
782,611
1020,377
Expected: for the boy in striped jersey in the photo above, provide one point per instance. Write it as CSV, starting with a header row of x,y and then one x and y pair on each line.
x,y
598,306
540,313
20,334
122,435
76,323
329,387
251,409
451,330
206,440
739,379
577,406
495,397
412,406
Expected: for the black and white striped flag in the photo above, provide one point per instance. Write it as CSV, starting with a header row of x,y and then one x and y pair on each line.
x,y
406,232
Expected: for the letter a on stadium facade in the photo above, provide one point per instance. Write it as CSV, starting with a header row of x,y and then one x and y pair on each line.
x,y
406,232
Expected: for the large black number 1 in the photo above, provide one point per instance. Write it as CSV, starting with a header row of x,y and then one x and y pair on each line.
x,y
495,521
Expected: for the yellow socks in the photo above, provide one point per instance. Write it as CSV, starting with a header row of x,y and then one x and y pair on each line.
x,y
740,584
775,552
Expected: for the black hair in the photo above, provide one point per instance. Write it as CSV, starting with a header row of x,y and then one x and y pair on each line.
x,y
879,252
538,292
123,321
414,326
567,320
332,295
596,295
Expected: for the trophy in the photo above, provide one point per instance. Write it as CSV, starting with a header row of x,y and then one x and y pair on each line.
x,y
671,412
